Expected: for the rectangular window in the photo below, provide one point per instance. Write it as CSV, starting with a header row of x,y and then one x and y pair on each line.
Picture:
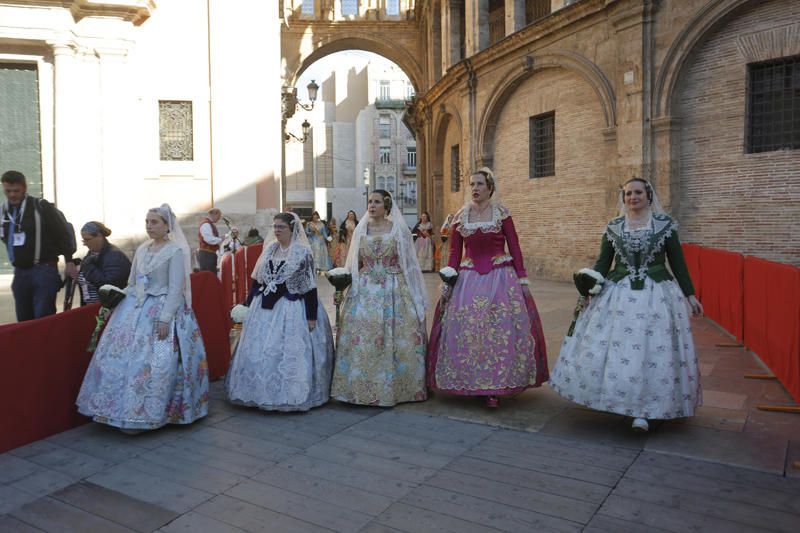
x,y
455,171
307,7
349,7
409,91
385,90
384,127
392,7
538,9
175,130
542,145
773,105
411,157
325,160
385,155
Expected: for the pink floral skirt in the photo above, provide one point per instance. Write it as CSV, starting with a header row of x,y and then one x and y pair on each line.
x,y
487,339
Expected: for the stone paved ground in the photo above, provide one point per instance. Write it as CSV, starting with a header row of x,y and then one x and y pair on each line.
x,y
538,463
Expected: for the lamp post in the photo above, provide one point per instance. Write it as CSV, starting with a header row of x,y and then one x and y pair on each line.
x,y
366,184
289,104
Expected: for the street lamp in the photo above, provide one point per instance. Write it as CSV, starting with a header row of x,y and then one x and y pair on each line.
x,y
366,184
289,137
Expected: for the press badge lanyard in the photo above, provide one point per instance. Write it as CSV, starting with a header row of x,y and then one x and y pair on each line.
x,y
18,236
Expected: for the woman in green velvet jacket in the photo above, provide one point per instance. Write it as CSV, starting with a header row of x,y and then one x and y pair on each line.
x,y
631,351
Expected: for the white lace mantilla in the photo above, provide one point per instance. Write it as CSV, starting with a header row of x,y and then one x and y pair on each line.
x,y
296,270
467,228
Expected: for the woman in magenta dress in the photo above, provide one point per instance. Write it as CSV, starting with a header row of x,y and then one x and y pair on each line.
x,y
487,336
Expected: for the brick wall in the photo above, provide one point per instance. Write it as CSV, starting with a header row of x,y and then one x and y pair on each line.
x,y
559,218
748,203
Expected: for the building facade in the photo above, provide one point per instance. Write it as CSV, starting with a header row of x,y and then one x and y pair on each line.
x,y
110,108
566,100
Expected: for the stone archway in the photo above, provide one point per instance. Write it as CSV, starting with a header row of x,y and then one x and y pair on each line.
x,y
300,50
583,67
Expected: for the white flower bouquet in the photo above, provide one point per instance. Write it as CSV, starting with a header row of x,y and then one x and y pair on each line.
x,y
239,313
588,282
110,297
340,278
448,275
329,238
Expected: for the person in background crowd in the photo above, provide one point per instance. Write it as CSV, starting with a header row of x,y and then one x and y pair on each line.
x,y
35,234
231,242
631,351
253,237
104,264
317,232
285,354
209,241
487,338
444,249
423,241
333,242
346,230
380,352
150,365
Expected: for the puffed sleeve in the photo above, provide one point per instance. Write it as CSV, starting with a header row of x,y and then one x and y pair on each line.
x,y
603,264
175,289
456,243
678,264
513,247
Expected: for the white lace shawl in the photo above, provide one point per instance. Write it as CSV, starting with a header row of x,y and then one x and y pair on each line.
x,y
297,271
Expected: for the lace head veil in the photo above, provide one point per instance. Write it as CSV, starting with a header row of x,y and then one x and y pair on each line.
x,y
298,238
655,205
179,239
407,258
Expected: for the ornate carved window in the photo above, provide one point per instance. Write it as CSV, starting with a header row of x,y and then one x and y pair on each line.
x,y
385,155
773,105
175,130
542,145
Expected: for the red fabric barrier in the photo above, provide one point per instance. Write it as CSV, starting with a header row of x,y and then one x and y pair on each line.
x,y
226,278
214,320
772,318
691,252
240,270
43,364
251,255
721,277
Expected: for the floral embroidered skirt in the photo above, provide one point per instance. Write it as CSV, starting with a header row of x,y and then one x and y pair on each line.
x,y
487,339
424,248
280,365
135,380
380,354
319,248
632,353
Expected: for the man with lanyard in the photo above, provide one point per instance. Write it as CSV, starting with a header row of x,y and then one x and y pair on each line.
x,y
209,240
34,236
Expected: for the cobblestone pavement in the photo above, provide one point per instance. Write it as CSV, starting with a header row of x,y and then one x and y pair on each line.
x,y
538,463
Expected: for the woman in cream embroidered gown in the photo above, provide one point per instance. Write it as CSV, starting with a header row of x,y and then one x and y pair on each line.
x,y
150,366
423,243
631,351
487,337
380,353
285,354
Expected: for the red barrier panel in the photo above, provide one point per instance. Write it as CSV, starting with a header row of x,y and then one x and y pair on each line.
x,y
43,365
772,318
214,320
721,277
691,252
252,254
226,278
240,271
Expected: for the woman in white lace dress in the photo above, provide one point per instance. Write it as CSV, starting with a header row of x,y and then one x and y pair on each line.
x,y
284,358
631,351
150,366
